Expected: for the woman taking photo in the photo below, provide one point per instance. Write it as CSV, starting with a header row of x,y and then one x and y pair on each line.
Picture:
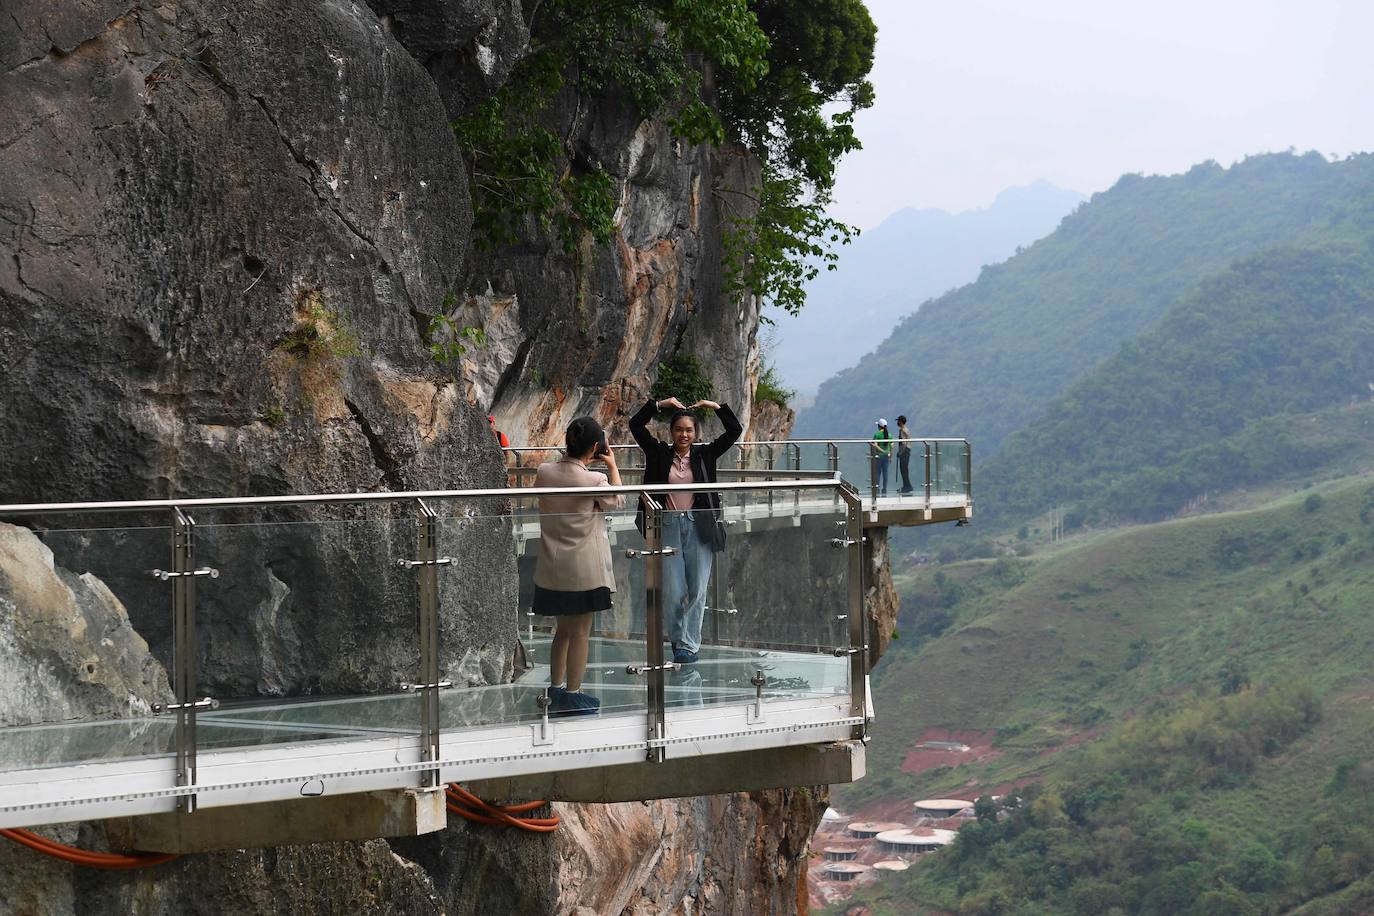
x,y
573,578
689,519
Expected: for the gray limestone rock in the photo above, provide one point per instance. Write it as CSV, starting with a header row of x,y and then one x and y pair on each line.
x,y
569,336
67,648
227,226
468,48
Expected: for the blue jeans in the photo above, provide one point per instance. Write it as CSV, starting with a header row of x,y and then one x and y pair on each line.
x,y
685,576
880,470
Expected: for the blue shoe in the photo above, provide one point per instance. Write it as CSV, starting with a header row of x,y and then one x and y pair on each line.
x,y
570,703
582,704
683,657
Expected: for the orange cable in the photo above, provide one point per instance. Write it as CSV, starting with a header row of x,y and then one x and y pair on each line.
x,y
494,814
85,857
461,802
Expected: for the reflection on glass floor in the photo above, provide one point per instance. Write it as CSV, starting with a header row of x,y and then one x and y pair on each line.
x,y
722,676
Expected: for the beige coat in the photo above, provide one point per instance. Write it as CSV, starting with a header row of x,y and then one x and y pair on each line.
x,y
574,552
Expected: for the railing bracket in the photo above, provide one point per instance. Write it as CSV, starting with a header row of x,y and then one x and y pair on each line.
x,y
207,703
542,731
411,564
755,714
646,668
416,688
634,553
165,574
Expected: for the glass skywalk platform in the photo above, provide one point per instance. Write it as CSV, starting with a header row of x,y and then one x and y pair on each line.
x,y
940,472
783,660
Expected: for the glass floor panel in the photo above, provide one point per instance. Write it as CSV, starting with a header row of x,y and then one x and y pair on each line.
x,y
722,676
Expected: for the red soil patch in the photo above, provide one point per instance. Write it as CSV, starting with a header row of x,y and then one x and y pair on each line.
x,y
922,757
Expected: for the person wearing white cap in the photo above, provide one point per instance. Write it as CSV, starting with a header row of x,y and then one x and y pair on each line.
x,y
882,448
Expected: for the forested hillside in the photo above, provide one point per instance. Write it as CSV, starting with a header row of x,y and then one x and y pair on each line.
x,y
984,360
1182,709
1176,413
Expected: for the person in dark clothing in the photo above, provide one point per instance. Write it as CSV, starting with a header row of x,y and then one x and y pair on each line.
x,y
690,519
904,456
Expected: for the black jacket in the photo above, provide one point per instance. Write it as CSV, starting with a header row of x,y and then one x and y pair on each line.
x,y
658,455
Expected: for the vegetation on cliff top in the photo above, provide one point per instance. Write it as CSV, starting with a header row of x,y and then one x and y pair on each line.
x,y
775,69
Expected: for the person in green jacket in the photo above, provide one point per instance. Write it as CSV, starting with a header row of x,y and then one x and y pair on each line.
x,y
882,447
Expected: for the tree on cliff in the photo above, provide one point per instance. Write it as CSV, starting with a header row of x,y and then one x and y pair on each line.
x,y
774,66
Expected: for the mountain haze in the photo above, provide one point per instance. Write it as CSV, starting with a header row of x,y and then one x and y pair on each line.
x,y
984,360
888,271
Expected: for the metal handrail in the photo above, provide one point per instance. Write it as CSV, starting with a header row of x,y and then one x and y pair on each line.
x,y
843,440
630,445
241,502
764,473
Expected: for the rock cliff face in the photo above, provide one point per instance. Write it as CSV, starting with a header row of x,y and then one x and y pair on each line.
x,y
224,225
566,340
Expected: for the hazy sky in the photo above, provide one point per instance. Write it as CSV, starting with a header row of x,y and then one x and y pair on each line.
x,y
978,95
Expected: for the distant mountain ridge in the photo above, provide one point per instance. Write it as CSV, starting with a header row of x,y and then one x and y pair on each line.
x,y
888,271
986,359
1213,397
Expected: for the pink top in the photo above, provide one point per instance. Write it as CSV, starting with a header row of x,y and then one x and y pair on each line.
x,y
681,472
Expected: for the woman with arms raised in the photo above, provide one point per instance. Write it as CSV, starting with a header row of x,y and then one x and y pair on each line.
x,y
690,519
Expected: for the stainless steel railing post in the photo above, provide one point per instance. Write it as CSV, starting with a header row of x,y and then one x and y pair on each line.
x,y
185,671
926,446
858,619
968,472
428,687
653,629
873,472
768,458
939,476
832,464
796,466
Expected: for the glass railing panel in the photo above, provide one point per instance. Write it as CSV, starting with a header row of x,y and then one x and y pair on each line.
x,y
628,456
77,658
312,626
485,540
947,468
773,604
814,456
617,635
855,466
522,463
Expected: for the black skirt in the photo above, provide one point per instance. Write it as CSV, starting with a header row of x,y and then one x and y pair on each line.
x,y
552,603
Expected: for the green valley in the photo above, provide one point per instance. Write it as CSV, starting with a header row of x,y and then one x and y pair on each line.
x,y
1186,707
